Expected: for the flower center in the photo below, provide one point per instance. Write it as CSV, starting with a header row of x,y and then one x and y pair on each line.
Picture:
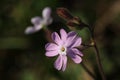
x,y
62,49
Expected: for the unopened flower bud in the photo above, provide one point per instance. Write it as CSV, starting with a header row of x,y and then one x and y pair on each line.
x,y
76,23
72,22
76,20
64,13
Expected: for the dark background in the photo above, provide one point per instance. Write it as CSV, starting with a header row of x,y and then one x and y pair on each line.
x,y
22,57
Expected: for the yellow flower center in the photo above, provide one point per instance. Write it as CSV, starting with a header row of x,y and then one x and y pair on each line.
x,y
62,49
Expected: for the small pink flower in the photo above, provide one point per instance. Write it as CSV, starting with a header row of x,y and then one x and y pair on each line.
x,y
63,46
39,22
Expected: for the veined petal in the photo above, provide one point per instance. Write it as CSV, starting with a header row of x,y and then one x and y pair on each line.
x,y
51,53
76,51
71,34
36,20
64,62
70,38
51,46
77,59
58,62
63,34
56,38
76,42
70,53
46,13
29,30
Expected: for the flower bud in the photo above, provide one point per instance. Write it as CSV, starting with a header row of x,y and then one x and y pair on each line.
x,y
72,22
76,23
64,13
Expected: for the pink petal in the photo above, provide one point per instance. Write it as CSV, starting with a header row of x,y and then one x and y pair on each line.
x,y
76,51
70,53
71,34
70,38
36,20
51,53
56,38
38,27
58,63
63,34
64,63
30,30
46,13
77,59
76,42
51,46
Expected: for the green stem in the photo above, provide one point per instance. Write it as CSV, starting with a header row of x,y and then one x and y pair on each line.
x,y
99,64
99,61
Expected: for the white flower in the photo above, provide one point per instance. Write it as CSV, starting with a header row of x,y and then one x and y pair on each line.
x,y
39,22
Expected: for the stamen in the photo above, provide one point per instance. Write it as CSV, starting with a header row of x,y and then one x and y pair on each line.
x,y
62,49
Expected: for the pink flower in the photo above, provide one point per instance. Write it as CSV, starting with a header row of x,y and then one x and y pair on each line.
x,y
63,46
39,22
